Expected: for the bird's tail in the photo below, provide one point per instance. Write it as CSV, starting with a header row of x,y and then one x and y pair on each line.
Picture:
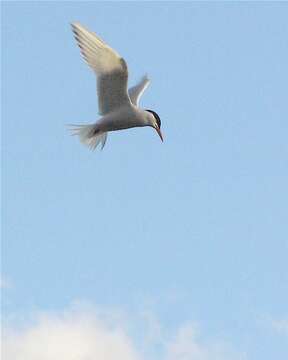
x,y
89,135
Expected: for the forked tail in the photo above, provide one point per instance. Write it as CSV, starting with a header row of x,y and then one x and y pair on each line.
x,y
89,135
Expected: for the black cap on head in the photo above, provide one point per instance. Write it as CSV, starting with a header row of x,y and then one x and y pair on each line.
x,y
156,116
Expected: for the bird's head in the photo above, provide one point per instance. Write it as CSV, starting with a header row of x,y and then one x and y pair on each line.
x,y
155,122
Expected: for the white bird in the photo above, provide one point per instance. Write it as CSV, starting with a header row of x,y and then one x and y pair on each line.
x,y
117,105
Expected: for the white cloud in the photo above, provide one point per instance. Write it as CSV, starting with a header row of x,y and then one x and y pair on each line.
x,y
69,336
187,346
94,335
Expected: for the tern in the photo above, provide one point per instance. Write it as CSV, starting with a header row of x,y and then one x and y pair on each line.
x,y
118,106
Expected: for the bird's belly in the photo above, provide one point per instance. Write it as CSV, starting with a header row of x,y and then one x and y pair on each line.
x,y
114,123
125,124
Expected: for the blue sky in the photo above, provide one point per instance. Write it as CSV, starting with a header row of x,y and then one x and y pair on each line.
x,y
191,231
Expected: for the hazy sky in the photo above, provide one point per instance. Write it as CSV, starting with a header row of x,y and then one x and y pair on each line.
x,y
174,251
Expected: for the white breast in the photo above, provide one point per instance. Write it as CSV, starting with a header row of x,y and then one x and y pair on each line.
x,y
124,118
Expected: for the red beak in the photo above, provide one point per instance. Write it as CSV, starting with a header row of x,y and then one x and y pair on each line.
x,y
159,133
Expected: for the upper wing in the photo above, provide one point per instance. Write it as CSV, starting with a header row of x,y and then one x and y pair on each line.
x,y
137,91
110,68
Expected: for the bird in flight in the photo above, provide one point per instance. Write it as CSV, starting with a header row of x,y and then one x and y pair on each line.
x,y
118,106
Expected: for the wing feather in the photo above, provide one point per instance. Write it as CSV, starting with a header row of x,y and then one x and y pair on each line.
x,y
137,91
110,69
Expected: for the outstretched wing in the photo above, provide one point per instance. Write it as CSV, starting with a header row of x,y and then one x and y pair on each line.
x,y
110,69
137,91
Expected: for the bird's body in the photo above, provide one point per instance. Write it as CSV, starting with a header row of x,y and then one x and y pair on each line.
x,y
125,117
118,106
